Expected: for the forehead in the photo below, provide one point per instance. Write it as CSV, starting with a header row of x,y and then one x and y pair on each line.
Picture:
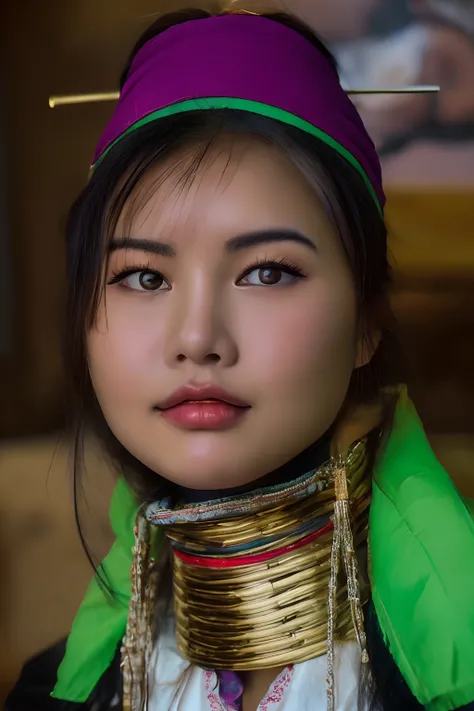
x,y
231,184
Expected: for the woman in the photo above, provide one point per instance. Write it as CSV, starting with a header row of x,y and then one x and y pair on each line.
x,y
232,344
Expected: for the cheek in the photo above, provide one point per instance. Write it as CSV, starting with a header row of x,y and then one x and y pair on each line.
x,y
121,350
307,343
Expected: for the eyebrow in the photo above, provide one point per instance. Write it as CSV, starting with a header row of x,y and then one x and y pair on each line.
x,y
235,244
143,245
252,239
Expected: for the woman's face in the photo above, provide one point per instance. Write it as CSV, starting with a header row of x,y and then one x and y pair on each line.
x,y
233,285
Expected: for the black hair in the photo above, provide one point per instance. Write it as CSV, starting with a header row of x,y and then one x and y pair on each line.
x,y
114,182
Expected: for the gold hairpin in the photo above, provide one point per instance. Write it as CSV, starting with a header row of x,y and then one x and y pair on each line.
x,y
423,89
66,100
83,98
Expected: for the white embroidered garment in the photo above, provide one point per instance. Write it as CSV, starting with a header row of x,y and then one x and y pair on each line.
x,y
177,686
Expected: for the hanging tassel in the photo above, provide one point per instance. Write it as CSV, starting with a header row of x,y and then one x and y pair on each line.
x,y
343,549
138,641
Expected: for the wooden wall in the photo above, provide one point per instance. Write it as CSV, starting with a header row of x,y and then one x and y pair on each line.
x,y
432,244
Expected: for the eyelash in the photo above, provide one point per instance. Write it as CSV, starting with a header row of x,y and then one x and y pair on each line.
x,y
283,264
120,275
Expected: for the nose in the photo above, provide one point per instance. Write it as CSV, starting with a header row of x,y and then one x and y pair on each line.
x,y
199,328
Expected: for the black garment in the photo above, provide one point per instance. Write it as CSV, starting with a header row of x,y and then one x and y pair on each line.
x,y
32,692
38,677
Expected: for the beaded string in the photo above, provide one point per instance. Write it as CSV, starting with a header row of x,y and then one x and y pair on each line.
x,y
137,645
343,551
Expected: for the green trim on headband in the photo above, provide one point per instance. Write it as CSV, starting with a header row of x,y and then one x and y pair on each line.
x,y
421,537
254,107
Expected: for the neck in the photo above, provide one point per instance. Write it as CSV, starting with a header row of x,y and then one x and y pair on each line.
x,y
280,537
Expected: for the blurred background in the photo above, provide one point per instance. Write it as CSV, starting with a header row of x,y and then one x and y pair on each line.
x,y
427,144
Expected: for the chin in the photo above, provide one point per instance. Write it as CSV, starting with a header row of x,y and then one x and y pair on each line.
x,y
204,460
207,475
209,471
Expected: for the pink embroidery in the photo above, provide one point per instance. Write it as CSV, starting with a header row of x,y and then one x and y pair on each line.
x,y
275,693
212,688
273,696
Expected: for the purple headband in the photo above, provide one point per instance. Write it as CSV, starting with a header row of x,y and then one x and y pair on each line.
x,y
244,62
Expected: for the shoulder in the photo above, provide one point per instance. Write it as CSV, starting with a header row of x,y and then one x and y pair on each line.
x,y
32,691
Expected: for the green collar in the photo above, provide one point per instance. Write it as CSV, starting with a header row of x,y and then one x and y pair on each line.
x,y
422,549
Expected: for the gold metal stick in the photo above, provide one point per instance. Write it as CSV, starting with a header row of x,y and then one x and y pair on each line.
x,y
70,99
83,98
428,89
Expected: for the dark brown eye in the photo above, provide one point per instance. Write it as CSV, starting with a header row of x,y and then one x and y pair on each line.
x,y
145,281
150,281
269,275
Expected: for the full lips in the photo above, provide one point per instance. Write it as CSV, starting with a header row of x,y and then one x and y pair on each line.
x,y
204,415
